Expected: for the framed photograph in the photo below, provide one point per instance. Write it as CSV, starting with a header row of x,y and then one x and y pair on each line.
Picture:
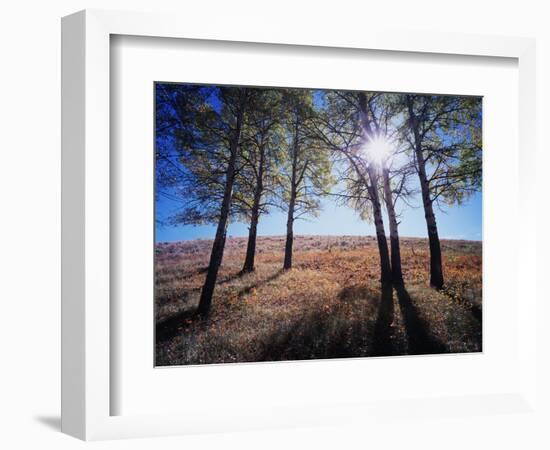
x,y
265,195
269,229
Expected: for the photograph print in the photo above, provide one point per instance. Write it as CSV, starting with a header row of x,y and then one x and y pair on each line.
x,y
302,224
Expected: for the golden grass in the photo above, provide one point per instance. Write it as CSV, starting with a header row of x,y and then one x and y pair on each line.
x,y
329,305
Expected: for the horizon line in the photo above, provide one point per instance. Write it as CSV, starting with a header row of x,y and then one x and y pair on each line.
x,y
315,235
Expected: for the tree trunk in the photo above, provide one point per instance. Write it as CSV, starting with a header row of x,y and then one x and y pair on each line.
x,y
397,274
436,266
251,246
219,240
385,267
289,235
291,205
254,217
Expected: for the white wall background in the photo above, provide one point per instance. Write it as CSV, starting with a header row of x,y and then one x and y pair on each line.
x,y
30,200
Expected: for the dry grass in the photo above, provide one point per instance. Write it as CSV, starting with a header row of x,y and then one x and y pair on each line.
x,y
329,305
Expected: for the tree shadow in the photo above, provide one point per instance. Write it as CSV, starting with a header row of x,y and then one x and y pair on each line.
x,y
477,312
277,344
420,340
223,280
168,328
260,283
382,340
350,293
314,336
192,290
232,277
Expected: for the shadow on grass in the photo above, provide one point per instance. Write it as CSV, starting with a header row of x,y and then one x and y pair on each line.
x,y
314,336
352,293
168,328
260,283
420,340
382,342
231,277
323,334
332,333
476,311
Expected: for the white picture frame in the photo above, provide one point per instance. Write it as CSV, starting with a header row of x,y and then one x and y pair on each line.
x,y
86,284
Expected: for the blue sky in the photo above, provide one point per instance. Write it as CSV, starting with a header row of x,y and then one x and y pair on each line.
x,y
455,222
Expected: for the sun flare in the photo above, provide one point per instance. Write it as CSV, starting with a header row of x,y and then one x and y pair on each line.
x,y
378,150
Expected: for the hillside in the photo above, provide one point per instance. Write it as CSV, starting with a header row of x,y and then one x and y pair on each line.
x,y
329,305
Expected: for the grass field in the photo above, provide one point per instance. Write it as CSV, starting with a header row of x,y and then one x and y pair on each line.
x,y
330,305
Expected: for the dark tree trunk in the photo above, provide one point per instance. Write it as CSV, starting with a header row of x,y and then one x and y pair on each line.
x,y
289,236
385,267
397,274
254,217
436,266
219,240
291,205
251,246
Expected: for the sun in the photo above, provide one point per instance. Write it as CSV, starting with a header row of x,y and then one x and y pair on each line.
x,y
378,150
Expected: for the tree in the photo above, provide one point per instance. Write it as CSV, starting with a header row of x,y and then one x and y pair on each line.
x,y
260,154
177,114
365,104
234,104
395,183
306,167
191,151
444,134
204,131
395,170
347,127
